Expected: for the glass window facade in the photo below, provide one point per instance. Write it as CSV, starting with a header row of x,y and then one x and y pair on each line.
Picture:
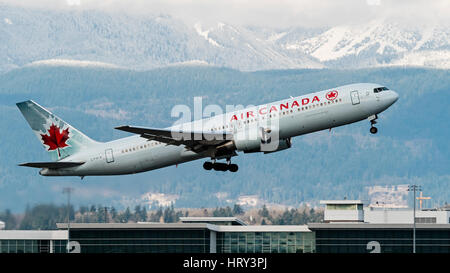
x,y
59,246
388,240
265,242
142,240
32,246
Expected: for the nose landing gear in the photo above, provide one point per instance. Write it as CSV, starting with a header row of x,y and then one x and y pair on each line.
x,y
373,121
220,166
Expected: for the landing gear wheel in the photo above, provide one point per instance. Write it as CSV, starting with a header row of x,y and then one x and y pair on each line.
x,y
373,121
233,168
207,165
220,167
223,167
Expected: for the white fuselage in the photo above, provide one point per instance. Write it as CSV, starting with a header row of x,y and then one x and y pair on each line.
x,y
295,116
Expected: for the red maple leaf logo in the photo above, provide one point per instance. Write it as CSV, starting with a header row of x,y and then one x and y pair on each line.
x,y
56,139
331,95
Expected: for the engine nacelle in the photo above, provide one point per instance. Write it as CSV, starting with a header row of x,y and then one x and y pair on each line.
x,y
265,140
283,144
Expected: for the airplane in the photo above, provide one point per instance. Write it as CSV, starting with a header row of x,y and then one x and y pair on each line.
x,y
265,128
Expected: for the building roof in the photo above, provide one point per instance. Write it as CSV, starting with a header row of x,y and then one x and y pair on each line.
x,y
356,225
341,202
33,234
212,227
231,220
264,228
141,225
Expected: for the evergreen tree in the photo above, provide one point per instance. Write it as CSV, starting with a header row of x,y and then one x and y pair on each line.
x,y
144,214
222,212
264,212
237,209
125,216
100,215
44,217
113,214
137,213
155,217
83,210
9,219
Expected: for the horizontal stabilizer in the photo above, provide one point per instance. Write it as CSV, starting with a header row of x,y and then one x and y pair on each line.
x,y
51,165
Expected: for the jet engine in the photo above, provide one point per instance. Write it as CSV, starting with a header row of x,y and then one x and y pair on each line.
x,y
265,140
283,144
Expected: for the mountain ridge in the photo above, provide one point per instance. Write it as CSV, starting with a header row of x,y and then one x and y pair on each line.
x,y
145,42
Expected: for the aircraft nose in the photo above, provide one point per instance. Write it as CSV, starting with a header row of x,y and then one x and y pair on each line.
x,y
391,97
394,96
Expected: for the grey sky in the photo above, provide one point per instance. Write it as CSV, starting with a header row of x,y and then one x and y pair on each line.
x,y
272,13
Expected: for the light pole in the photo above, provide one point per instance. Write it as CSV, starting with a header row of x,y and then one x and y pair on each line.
x,y
68,190
414,188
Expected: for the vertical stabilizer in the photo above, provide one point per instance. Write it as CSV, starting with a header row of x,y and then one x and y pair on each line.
x,y
58,137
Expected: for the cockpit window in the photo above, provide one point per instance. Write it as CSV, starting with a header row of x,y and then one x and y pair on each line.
x,y
379,89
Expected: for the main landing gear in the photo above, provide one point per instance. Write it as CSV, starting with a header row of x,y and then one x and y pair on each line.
x,y
220,166
373,121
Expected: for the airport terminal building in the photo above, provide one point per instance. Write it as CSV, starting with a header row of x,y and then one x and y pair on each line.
x,y
192,235
347,227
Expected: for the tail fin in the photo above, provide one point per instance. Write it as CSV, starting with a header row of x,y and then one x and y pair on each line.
x,y
58,137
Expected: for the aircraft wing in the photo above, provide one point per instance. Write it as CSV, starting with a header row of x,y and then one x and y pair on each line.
x,y
190,139
52,165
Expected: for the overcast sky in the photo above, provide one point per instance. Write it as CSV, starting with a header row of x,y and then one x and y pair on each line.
x,y
272,13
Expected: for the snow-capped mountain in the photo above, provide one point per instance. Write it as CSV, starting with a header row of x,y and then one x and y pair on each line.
x,y
49,37
239,47
378,43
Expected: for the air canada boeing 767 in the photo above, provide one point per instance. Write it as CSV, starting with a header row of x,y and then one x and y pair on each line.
x,y
265,128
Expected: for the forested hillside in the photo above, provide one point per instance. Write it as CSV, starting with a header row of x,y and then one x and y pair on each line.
x,y
411,146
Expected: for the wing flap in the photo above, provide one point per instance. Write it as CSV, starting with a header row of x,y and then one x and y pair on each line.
x,y
51,165
179,137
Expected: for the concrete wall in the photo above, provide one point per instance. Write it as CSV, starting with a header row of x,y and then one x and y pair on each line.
x,y
402,216
344,215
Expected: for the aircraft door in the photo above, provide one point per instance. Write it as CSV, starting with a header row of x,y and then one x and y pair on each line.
x,y
109,156
355,97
